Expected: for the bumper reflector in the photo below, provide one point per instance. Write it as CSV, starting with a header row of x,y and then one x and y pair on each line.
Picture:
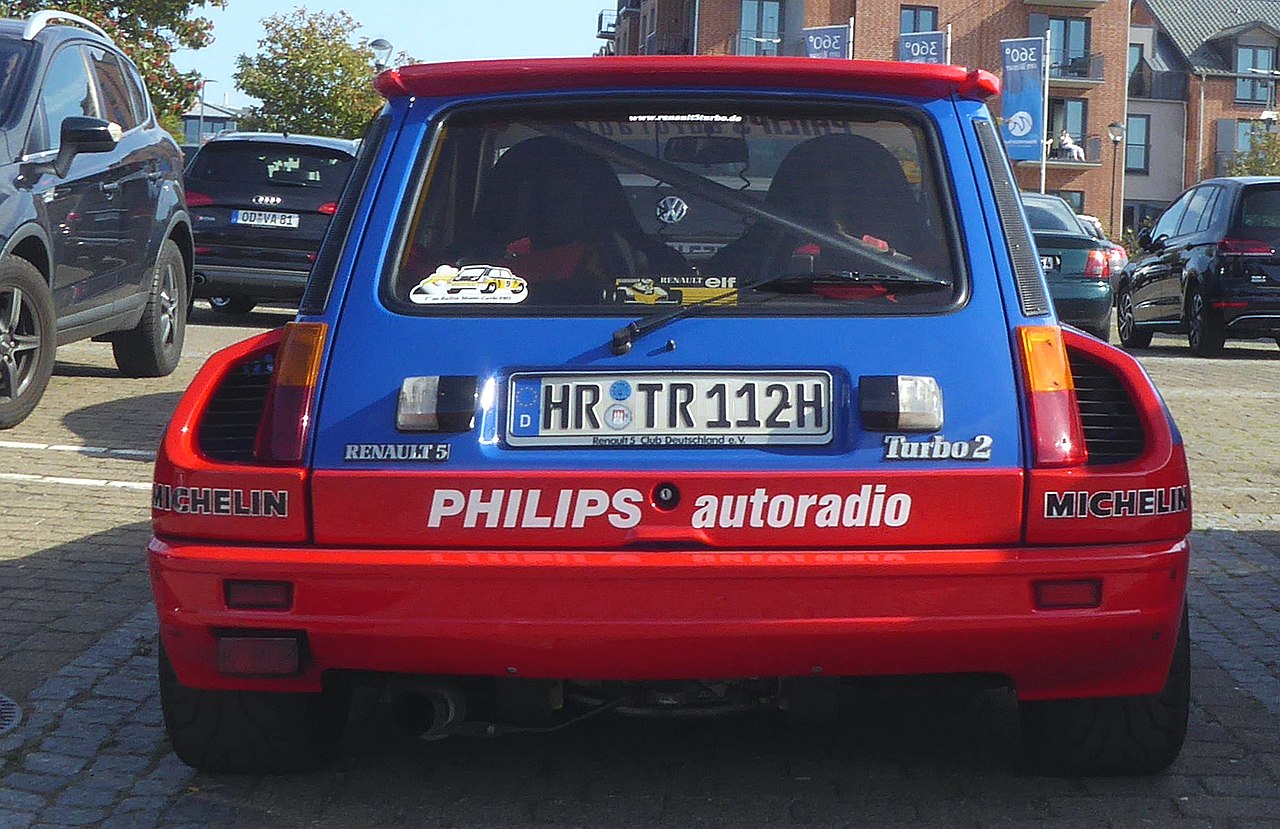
x,y
258,595
1062,595
900,403
259,656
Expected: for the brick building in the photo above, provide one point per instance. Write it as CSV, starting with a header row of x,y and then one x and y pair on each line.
x,y
1200,90
1087,75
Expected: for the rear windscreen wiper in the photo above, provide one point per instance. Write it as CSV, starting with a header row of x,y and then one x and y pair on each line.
x,y
621,341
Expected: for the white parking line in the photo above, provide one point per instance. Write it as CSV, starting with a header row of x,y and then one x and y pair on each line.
x,y
54,479
78,449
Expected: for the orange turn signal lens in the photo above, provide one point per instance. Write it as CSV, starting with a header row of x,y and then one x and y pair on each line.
x,y
1045,359
298,360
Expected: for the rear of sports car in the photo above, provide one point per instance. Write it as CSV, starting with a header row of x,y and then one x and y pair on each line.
x,y
849,441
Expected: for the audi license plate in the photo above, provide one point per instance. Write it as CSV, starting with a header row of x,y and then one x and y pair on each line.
x,y
743,408
263,218
1050,263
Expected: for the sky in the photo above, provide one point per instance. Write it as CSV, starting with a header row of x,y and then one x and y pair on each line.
x,y
429,30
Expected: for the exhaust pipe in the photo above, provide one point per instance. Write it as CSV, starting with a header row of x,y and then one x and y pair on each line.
x,y
427,709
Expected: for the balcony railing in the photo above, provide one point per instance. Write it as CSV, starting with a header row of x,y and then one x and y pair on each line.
x,y
607,24
665,43
756,42
1144,82
1083,70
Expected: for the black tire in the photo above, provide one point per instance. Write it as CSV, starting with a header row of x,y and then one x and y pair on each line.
x,y
232,303
1112,736
154,348
28,339
1130,335
250,732
1205,332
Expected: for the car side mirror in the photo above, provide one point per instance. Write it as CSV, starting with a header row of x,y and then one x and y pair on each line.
x,y
1144,238
82,134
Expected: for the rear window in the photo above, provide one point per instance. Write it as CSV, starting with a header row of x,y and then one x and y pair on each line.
x,y
255,164
1048,214
1260,214
741,208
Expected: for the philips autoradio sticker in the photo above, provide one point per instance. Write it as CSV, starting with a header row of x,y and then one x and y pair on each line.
x,y
474,284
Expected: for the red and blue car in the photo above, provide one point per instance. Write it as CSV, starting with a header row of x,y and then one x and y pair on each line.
x,y
838,434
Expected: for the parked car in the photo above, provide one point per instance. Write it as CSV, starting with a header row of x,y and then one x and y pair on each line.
x,y
94,236
1208,268
1076,265
261,203
867,448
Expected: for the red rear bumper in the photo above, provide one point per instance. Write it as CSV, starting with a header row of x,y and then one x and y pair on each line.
x,y
673,615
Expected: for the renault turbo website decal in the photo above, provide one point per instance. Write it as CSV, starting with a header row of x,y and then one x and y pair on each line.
x,y
1119,503
871,505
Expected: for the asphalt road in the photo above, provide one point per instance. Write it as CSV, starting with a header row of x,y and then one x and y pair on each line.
x,y
77,654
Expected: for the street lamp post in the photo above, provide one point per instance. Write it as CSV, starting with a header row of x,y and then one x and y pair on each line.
x,y
381,49
1116,130
200,122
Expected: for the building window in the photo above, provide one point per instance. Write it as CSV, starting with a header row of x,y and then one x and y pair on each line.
x,y
1246,131
1070,114
1075,198
1248,58
1137,149
1069,46
760,32
917,19
1135,56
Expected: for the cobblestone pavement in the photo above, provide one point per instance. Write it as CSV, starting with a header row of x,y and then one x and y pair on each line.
x,y
77,652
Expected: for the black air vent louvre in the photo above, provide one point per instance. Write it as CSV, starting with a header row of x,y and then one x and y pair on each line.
x,y
1022,251
1112,430
229,426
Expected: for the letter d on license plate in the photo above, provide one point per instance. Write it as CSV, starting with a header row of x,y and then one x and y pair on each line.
x,y
655,410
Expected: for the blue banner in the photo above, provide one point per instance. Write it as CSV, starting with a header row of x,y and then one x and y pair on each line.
x,y
1022,98
827,42
922,47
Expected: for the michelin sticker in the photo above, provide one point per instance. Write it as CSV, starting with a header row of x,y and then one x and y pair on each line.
x,y
473,284
1117,503
937,448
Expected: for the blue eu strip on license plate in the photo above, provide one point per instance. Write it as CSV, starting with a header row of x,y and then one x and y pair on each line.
x,y
655,409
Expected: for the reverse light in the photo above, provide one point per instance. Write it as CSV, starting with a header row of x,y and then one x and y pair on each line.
x,y
259,656
195,199
328,208
1057,433
1245,247
437,403
1064,595
900,402
1097,265
286,418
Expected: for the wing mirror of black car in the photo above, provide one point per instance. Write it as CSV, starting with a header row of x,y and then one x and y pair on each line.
x,y
1144,238
706,149
82,134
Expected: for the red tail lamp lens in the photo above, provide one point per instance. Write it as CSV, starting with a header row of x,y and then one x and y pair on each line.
x,y
286,419
1062,595
195,199
1057,433
1097,266
1244,247
328,208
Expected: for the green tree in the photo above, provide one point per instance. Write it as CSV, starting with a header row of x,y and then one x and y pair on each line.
x,y
1262,157
149,31
311,75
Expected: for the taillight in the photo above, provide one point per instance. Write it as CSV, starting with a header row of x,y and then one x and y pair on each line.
x,y
1245,247
1057,433
1097,265
1117,258
328,208
195,199
286,419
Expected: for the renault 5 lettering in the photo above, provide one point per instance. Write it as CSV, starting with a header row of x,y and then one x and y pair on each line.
x,y
851,439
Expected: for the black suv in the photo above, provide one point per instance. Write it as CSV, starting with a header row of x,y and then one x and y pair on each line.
x,y
94,235
1209,268
262,203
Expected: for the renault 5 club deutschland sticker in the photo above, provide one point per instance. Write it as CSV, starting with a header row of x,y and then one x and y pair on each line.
x,y
670,409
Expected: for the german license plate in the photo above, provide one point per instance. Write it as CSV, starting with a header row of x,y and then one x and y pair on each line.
x,y
263,218
1050,263
669,410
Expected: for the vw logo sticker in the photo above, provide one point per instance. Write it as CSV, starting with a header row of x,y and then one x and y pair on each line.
x,y
671,210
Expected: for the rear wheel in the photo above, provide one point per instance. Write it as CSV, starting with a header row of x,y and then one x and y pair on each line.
x,y
1205,332
27,339
154,348
250,732
232,303
1117,735
1130,335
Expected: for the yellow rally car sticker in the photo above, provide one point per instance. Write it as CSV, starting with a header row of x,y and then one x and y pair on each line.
x,y
676,290
470,284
